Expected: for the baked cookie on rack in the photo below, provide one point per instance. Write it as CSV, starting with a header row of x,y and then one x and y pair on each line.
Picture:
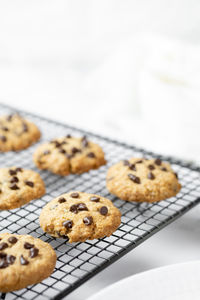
x,y
24,260
77,216
17,133
68,154
19,186
142,180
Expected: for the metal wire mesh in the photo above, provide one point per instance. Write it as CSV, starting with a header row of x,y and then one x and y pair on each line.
x,y
80,261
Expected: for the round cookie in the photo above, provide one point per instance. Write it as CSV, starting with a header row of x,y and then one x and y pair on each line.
x,y
78,216
68,154
17,133
142,180
24,260
19,186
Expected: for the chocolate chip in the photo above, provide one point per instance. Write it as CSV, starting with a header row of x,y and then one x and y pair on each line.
x,y
0,191
74,195
75,150
94,199
14,179
3,246
29,183
62,151
28,245
91,155
68,224
3,264
12,172
151,176
4,128
18,170
132,167
164,169
134,178
2,255
176,175
63,143
61,200
84,142
158,162
3,138
34,252
151,167
88,220
74,209
139,161
78,207
25,127
10,259
57,144
81,206
62,236
12,240
68,136
126,162
14,187
23,261
103,210
46,152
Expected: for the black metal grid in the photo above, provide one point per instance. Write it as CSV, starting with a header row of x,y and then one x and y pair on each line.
x,y
78,262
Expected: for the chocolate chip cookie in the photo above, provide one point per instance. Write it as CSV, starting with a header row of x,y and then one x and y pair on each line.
x,y
69,155
19,186
77,216
17,133
142,180
24,260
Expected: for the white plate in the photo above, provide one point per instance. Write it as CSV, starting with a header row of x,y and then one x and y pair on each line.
x,y
174,282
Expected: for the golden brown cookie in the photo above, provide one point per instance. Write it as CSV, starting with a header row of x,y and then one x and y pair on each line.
x,y
19,186
24,260
17,133
142,180
78,216
69,155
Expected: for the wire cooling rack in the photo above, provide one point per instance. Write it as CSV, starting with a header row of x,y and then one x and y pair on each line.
x,y
78,262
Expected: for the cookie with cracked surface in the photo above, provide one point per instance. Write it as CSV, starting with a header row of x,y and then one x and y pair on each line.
x,y
142,180
77,216
17,133
24,260
69,155
19,186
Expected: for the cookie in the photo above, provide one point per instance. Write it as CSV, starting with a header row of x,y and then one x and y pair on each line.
x,y
17,133
69,155
24,260
142,180
19,186
77,216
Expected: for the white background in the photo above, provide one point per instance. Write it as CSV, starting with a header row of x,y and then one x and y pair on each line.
x,y
79,61
93,64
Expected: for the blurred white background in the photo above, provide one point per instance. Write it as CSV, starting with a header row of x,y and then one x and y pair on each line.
x,y
129,69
